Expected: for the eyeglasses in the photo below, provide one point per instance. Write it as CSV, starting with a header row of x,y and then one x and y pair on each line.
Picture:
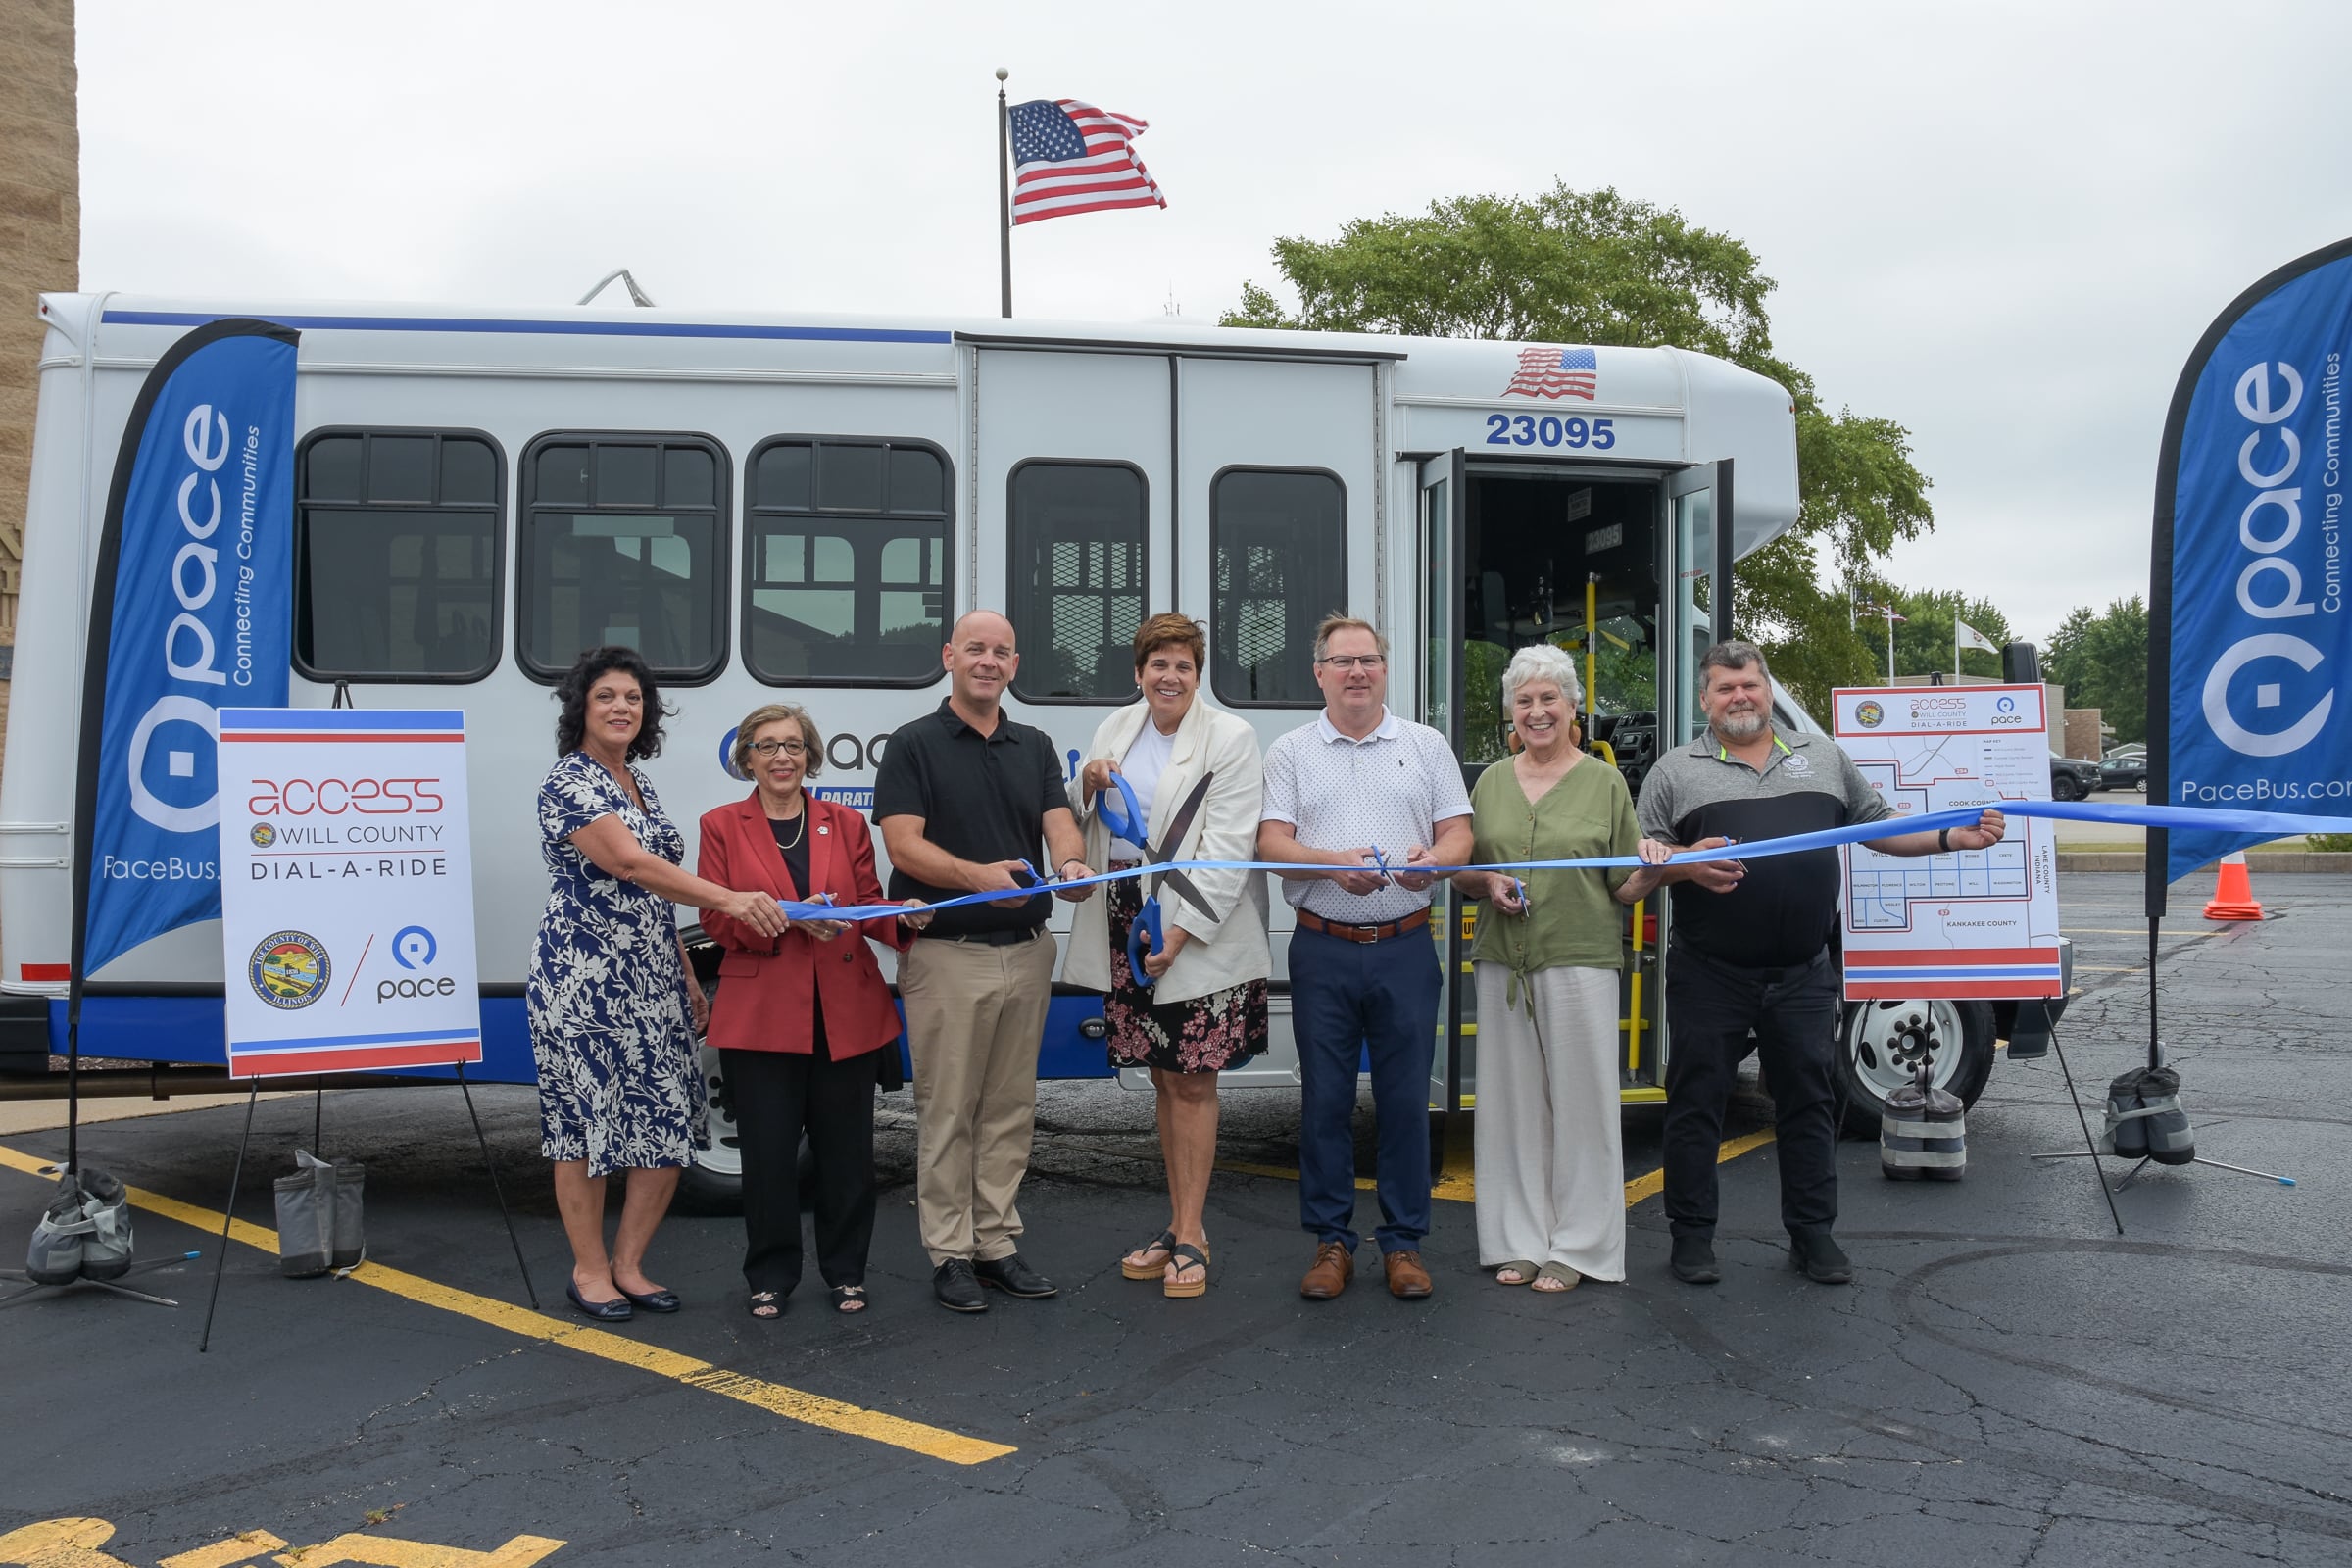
x,y
1347,662
788,748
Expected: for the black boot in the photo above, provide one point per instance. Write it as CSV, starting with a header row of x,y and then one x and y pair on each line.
x,y
1693,1259
1815,1253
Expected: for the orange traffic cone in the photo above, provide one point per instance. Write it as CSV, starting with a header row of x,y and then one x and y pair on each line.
x,y
2234,893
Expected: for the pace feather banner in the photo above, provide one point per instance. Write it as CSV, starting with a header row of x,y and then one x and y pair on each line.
x,y
2249,646
190,612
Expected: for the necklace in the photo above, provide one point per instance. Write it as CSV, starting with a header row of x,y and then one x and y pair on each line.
x,y
799,832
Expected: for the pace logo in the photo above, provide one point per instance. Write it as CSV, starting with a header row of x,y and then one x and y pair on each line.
x,y
414,947
288,969
1868,714
263,835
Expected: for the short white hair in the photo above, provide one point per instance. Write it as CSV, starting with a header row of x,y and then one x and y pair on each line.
x,y
1542,662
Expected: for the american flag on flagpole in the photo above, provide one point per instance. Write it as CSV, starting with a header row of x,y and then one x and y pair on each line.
x,y
1557,374
1075,158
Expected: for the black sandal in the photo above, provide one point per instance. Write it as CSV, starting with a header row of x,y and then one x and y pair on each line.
x,y
767,1305
1164,1241
849,1299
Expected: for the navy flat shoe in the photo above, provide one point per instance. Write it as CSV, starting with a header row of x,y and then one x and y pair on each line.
x,y
604,1311
654,1302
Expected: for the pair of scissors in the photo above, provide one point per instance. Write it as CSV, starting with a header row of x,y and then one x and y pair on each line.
x,y
1148,924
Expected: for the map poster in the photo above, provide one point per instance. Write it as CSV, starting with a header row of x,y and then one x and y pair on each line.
x,y
1980,923
345,891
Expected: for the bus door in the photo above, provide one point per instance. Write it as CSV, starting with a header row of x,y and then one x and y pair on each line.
x,y
1444,508
1592,558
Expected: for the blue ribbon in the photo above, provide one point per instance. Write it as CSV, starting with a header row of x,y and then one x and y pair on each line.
x,y
2271,825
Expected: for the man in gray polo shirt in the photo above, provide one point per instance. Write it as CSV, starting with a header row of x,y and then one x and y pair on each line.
x,y
1355,801
1750,951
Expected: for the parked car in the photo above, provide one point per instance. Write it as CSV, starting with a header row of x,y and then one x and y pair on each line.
x,y
2072,778
2125,771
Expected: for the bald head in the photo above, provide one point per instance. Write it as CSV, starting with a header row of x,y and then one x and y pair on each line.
x,y
984,623
981,659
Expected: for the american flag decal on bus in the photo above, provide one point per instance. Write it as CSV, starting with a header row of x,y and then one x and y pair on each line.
x,y
1557,374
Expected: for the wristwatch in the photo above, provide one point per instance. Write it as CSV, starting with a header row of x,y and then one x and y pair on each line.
x,y
1943,841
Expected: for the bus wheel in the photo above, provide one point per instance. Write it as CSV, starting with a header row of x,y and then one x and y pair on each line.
x,y
1881,1045
713,1182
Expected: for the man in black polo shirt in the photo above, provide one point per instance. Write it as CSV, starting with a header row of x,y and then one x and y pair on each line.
x,y
1751,951
965,796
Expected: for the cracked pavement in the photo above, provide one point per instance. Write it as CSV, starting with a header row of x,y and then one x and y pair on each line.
x,y
2007,1382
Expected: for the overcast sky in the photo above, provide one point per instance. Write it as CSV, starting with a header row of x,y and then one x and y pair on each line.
x,y
2004,226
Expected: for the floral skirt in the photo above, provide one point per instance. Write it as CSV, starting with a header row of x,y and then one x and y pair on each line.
x,y
1206,1033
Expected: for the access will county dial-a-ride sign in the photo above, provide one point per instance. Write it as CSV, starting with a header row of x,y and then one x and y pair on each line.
x,y
345,891
1972,923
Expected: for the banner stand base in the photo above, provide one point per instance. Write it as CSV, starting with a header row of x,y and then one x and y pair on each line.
x,y
19,1276
2094,1153
236,1178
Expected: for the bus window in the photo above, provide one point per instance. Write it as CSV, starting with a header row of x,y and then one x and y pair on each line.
x,y
1278,547
1077,578
396,556
846,580
622,543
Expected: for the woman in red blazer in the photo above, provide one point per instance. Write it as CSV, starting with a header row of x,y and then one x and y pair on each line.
x,y
798,1017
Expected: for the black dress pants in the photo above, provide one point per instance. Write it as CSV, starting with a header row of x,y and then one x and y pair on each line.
x,y
777,1095
1710,1007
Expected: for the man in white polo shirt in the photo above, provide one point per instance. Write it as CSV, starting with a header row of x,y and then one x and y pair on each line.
x,y
1356,800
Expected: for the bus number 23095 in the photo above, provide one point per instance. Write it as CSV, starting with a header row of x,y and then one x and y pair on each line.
x,y
1526,430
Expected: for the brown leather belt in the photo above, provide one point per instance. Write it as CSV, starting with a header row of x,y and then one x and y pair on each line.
x,y
1363,933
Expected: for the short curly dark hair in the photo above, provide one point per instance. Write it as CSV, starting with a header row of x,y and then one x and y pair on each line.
x,y
572,722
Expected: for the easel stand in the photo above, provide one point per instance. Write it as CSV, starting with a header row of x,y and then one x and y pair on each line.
x,y
318,1127
32,1290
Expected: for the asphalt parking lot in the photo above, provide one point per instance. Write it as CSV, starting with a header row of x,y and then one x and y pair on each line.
x,y
2006,1382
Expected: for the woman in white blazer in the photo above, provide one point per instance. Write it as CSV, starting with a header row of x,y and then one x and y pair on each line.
x,y
1206,1006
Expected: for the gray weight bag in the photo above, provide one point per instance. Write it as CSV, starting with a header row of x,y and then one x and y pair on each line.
x,y
2144,1118
321,1221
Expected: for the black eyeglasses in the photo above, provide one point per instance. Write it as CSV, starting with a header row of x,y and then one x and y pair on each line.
x,y
1354,661
788,748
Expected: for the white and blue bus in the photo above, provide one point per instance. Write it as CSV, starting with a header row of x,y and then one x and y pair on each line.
x,y
799,506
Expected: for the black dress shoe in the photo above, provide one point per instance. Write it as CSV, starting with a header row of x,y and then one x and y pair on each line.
x,y
957,1291
1817,1255
615,1311
1693,1261
654,1300
1014,1277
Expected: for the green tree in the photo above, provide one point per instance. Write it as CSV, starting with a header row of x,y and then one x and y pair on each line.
x,y
1595,267
2102,660
1923,641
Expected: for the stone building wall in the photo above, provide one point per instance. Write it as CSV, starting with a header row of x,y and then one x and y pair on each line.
x,y
40,237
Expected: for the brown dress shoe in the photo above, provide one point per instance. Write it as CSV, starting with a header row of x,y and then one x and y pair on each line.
x,y
1408,1280
1334,1266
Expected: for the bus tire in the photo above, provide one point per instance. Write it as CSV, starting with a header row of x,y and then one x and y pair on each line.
x,y
1880,1045
713,1182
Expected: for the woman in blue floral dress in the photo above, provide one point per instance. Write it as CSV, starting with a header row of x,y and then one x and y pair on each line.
x,y
613,1004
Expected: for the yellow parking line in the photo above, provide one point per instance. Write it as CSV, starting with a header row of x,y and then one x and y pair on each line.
x,y
811,1409
1462,1186
1654,1183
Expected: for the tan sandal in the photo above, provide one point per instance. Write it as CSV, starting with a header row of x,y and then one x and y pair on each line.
x,y
1563,1279
1186,1255
1164,1241
1524,1267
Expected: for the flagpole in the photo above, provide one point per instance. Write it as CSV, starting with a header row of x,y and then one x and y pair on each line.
x,y
1955,649
1004,192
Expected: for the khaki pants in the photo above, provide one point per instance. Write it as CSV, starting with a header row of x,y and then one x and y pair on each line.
x,y
975,1017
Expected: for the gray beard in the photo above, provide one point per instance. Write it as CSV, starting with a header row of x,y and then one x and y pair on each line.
x,y
1740,727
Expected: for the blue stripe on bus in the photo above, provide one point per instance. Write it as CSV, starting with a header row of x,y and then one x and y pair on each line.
x,y
371,718
458,324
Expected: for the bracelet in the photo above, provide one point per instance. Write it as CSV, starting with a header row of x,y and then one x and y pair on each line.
x,y
1943,841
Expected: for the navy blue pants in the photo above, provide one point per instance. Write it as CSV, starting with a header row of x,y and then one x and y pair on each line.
x,y
1348,998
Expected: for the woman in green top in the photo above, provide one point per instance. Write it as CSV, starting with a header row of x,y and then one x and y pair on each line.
x,y
1550,1147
